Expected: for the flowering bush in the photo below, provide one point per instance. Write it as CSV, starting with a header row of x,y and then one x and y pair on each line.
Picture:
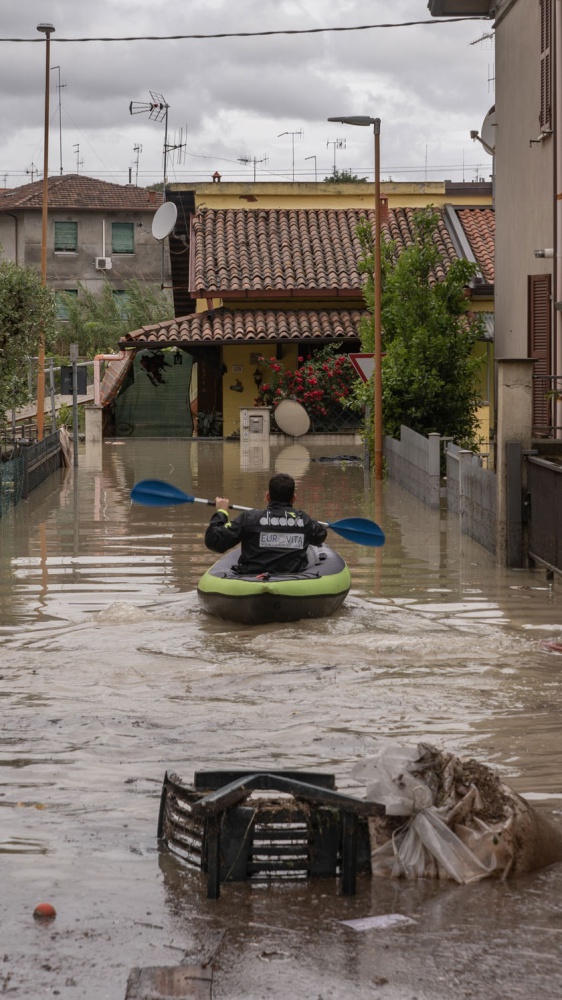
x,y
320,383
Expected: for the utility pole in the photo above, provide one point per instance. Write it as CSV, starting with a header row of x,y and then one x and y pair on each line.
x,y
60,86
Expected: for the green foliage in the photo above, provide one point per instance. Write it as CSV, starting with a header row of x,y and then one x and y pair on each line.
x,y
323,381
97,321
429,373
26,309
344,177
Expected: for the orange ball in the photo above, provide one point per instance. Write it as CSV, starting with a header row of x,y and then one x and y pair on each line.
x,y
44,911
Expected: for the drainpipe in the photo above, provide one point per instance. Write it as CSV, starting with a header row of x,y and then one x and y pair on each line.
x,y
558,192
97,368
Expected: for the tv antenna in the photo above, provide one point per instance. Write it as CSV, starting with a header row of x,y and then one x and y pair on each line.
x,y
178,146
254,160
157,110
32,171
79,162
337,144
300,133
60,86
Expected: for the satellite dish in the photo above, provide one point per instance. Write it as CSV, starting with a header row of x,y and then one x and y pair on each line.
x,y
291,418
488,131
164,220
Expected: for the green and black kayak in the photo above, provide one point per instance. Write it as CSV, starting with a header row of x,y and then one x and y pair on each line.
x,y
252,600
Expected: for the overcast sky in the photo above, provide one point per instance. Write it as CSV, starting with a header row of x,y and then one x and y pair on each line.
x,y
233,96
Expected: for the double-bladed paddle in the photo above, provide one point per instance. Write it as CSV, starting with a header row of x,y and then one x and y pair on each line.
x,y
155,493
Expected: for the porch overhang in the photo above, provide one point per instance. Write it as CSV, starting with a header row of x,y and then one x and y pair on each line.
x,y
461,8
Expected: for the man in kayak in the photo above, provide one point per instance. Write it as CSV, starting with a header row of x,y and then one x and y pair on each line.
x,y
273,540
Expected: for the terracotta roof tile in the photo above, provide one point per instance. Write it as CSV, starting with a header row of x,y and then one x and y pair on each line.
x,y
251,325
239,250
74,191
479,225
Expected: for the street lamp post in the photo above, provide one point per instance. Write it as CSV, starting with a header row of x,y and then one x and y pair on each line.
x,y
47,30
376,123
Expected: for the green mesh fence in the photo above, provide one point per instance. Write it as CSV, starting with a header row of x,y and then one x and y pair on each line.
x,y
11,483
156,402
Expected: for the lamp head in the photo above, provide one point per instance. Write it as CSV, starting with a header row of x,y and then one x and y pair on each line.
x,y
356,120
47,29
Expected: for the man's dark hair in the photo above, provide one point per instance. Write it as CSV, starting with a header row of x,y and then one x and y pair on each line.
x,y
282,488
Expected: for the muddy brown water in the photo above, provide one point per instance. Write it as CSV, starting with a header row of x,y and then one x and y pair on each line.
x,y
111,674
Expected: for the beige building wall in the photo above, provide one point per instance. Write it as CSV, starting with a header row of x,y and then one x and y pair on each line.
x,y
524,172
283,195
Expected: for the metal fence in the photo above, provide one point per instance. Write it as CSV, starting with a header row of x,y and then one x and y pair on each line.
x,y
28,466
544,484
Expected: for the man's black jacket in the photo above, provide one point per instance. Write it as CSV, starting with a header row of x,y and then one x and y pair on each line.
x,y
273,540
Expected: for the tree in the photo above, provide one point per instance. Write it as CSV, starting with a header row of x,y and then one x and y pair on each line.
x,y
96,322
26,309
429,372
344,177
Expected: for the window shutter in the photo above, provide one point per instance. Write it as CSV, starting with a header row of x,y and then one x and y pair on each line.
x,y
539,330
545,117
122,237
66,237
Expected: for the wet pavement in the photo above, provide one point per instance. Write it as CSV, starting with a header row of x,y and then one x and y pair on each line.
x,y
111,675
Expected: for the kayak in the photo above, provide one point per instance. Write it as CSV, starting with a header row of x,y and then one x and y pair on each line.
x,y
250,600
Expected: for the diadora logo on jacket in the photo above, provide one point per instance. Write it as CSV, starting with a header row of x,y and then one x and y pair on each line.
x,y
288,520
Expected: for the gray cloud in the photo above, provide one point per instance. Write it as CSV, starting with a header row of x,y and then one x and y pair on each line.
x,y
428,84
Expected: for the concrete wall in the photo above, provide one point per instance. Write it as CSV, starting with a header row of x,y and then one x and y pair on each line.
x,y
66,270
414,462
524,173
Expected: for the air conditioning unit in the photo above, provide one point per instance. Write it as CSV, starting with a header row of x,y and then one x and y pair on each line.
x,y
103,264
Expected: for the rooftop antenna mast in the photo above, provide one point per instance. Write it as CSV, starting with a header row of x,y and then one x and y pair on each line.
x,y
138,150
79,162
300,133
157,109
32,170
337,144
60,86
254,160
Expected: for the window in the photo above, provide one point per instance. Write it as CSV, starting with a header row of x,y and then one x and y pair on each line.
x,y
122,237
121,300
66,237
62,302
545,117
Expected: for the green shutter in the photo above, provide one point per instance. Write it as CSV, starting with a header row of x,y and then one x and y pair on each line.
x,y
66,237
122,237
62,301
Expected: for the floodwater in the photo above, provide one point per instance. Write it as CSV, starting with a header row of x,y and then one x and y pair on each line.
x,y
111,674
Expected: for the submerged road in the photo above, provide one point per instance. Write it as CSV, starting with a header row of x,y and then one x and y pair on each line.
x,y
112,674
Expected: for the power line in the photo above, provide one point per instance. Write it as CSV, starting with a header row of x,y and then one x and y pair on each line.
x,y
253,34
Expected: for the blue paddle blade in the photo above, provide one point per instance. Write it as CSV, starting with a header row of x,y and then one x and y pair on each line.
x,y
359,530
155,493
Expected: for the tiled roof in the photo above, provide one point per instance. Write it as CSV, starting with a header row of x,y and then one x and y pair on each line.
x,y
264,250
251,325
74,191
479,225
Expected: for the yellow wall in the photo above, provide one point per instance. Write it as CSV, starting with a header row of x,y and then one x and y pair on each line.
x,y
240,369
400,194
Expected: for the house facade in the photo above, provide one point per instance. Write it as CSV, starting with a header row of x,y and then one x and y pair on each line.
x,y
528,199
263,274
96,232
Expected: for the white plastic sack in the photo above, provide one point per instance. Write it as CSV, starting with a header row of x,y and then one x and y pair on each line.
x,y
447,831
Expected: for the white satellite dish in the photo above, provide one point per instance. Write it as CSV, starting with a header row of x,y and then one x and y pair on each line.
x,y
164,220
488,131
291,418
